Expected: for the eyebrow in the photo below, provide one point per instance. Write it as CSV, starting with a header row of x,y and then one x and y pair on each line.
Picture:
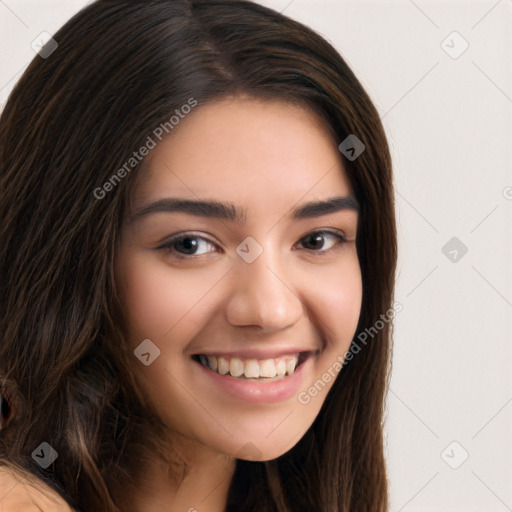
x,y
228,211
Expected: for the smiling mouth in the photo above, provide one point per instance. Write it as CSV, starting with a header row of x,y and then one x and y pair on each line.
x,y
253,369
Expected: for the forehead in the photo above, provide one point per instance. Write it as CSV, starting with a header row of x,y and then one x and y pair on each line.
x,y
248,151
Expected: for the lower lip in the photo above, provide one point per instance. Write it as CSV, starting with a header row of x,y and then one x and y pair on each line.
x,y
258,392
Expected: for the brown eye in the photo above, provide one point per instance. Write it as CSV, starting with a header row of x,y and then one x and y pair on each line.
x,y
317,239
186,244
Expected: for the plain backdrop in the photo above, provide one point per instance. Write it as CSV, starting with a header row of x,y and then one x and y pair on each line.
x,y
440,76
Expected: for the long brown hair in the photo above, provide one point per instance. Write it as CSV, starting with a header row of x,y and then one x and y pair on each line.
x,y
121,69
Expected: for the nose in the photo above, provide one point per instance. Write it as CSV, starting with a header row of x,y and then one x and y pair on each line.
x,y
262,296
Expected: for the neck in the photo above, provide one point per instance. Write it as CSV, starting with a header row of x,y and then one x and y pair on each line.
x,y
202,485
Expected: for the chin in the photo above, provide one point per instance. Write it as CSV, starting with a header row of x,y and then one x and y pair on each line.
x,y
263,448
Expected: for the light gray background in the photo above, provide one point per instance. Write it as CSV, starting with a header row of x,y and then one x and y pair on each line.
x,y
449,123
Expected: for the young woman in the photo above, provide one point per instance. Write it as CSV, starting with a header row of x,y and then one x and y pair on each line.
x,y
197,261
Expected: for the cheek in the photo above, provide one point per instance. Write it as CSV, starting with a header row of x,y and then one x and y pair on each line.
x,y
159,299
337,300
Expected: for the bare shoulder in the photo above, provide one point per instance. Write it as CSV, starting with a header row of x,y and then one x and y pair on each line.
x,y
20,492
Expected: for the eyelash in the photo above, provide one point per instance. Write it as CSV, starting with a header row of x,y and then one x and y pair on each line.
x,y
168,245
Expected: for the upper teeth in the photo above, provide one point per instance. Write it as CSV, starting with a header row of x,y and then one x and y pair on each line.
x,y
251,368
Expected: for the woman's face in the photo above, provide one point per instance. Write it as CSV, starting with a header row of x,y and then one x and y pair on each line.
x,y
265,286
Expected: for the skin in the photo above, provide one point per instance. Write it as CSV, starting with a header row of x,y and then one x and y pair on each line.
x,y
267,157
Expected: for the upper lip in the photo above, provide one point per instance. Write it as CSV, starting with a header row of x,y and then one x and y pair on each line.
x,y
256,353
